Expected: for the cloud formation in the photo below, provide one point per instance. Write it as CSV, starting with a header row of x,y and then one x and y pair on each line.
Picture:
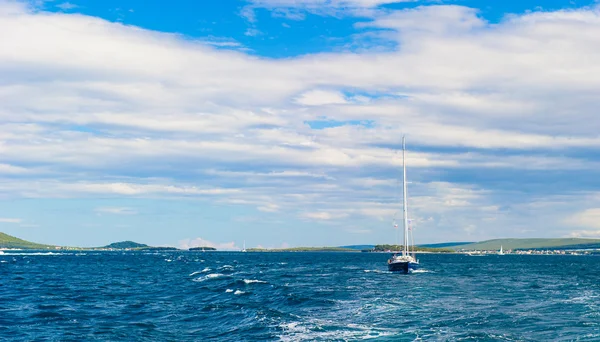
x,y
124,111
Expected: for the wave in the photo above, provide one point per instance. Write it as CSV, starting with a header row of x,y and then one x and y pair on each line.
x,y
254,281
324,330
209,277
421,271
37,253
378,271
206,269
238,292
226,269
389,272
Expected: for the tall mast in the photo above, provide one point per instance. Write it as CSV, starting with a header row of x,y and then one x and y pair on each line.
x,y
405,207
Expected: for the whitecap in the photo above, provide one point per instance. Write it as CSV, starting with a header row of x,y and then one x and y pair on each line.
x,y
228,290
238,292
422,271
313,330
377,271
209,276
207,269
27,254
251,281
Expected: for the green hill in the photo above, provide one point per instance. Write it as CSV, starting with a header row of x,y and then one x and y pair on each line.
x,y
444,244
7,241
126,244
383,248
562,243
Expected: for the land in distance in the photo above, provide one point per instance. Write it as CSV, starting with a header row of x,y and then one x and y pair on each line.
x,y
11,242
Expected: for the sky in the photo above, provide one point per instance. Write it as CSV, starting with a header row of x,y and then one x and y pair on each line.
x,y
279,122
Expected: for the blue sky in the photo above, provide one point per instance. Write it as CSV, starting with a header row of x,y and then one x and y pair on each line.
x,y
278,122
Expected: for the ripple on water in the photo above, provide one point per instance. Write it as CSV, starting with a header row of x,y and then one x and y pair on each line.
x,y
211,276
297,296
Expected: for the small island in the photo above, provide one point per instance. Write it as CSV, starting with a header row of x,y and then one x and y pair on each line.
x,y
202,249
125,244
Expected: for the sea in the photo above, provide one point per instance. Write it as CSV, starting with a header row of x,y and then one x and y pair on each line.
x,y
234,296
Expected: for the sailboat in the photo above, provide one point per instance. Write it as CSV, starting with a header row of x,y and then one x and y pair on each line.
x,y
244,249
501,252
404,262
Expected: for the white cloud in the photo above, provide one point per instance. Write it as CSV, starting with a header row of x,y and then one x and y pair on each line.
x,y
320,98
9,7
10,220
585,234
589,218
137,189
270,208
66,6
324,215
291,9
10,169
252,32
116,210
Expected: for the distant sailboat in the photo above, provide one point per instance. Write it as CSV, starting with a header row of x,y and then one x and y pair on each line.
x,y
244,249
404,262
501,252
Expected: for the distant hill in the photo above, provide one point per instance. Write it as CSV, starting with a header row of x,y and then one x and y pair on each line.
x,y
157,249
7,241
444,245
125,244
384,248
564,243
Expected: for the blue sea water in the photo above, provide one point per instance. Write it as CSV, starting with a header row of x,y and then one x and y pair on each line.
x,y
220,296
